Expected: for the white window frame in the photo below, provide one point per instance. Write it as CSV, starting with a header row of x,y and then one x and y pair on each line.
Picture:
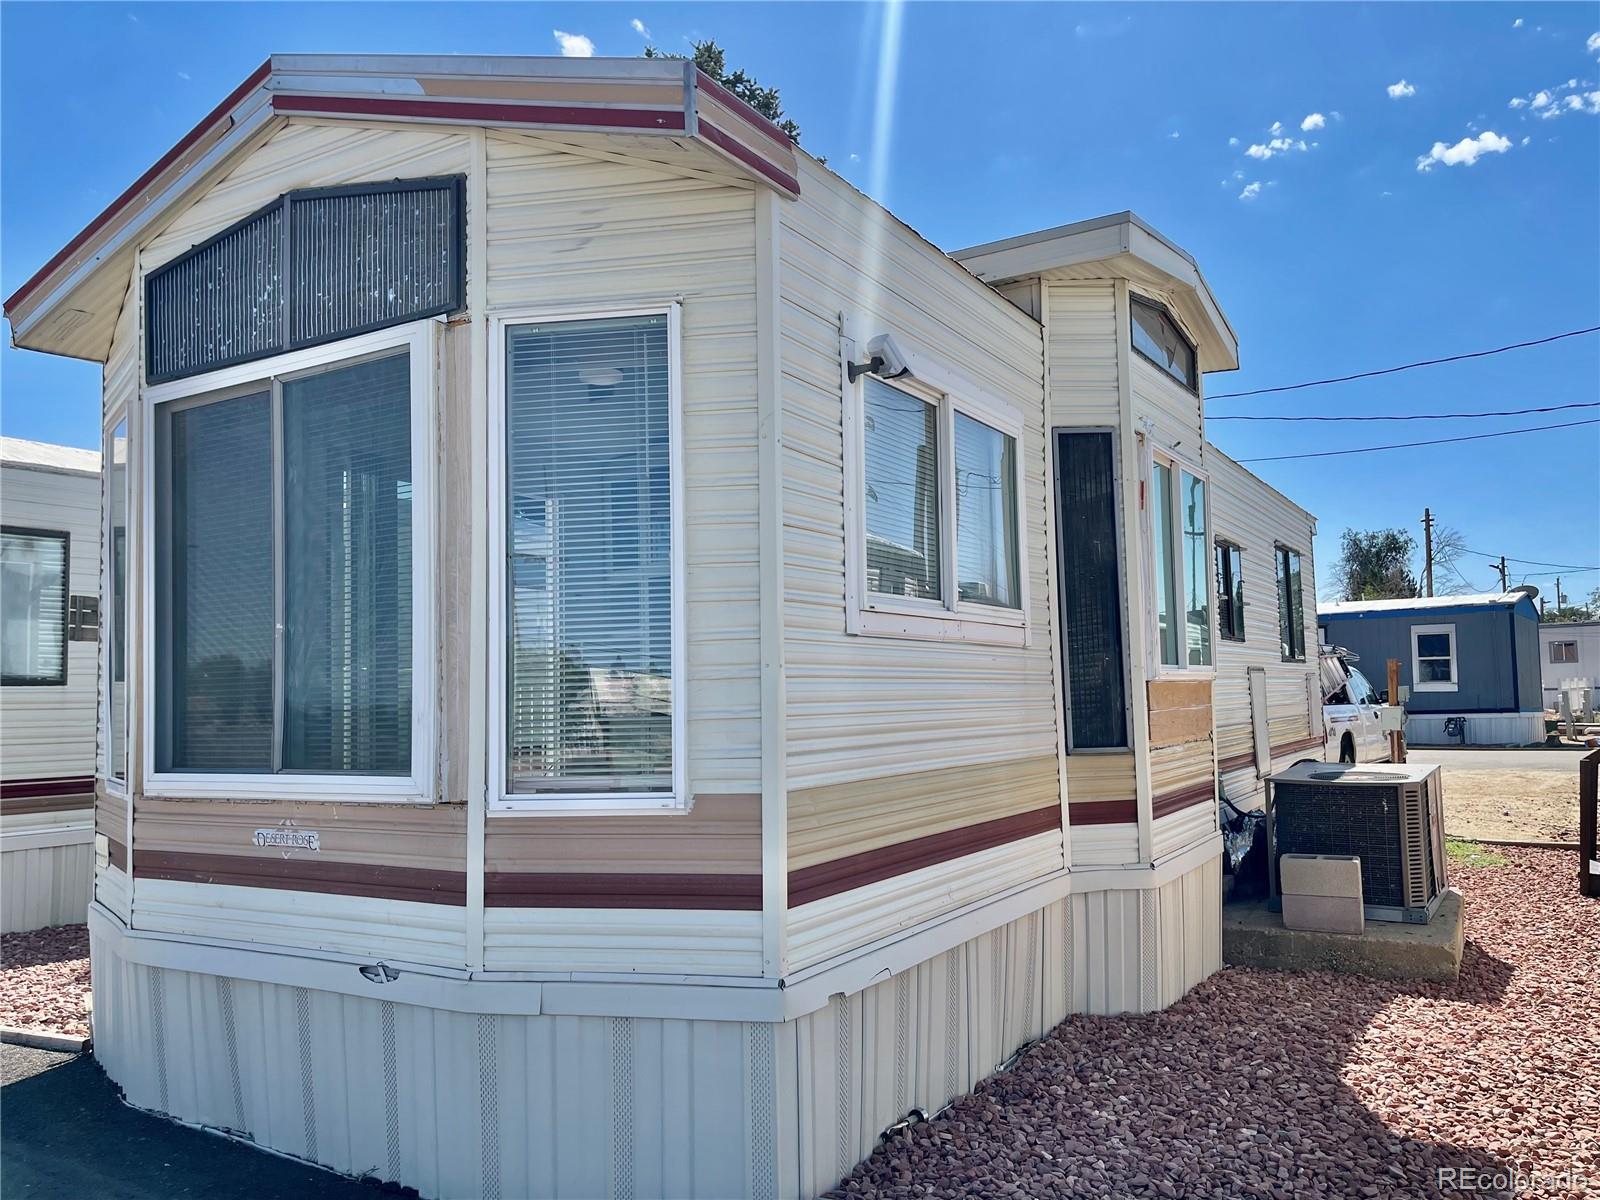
x,y
501,801
1417,684
420,340
1155,668
949,619
108,608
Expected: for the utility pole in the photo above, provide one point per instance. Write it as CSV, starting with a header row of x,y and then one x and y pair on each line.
x,y
1558,594
1427,551
1502,573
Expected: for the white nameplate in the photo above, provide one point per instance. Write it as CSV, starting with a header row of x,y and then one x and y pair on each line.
x,y
288,839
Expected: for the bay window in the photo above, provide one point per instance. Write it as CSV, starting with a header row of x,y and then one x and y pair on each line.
x,y
289,574
588,621
935,543
1181,578
33,607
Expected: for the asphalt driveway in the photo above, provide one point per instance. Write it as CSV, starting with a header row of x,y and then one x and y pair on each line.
x,y
67,1136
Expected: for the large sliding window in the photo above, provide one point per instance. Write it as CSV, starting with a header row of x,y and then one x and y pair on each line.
x,y
1181,604
33,607
1091,589
936,547
287,580
592,654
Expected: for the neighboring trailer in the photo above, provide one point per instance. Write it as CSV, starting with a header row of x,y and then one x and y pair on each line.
x,y
49,584
1269,707
1568,650
1469,658
649,738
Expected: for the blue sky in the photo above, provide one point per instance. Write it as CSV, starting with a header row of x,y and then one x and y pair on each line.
x,y
1329,248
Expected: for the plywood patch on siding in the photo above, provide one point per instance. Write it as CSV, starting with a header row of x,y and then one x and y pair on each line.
x,y
831,822
1180,711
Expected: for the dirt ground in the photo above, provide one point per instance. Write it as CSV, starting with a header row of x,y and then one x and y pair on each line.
x,y
1530,806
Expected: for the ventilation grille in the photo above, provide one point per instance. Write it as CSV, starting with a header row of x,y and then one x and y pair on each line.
x,y
315,265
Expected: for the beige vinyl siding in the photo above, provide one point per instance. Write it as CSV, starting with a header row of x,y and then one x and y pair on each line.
x,y
50,729
1082,340
309,153
858,707
577,233
1254,517
719,835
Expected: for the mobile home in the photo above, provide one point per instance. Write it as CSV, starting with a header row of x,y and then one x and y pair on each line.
x,y
1568,650
708,672
1471,663
49,589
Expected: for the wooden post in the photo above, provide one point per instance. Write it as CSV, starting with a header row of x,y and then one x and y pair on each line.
x,y
1397,740
1589,823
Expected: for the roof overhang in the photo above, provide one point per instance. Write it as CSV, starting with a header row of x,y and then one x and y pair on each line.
x,y
69,306
1119,246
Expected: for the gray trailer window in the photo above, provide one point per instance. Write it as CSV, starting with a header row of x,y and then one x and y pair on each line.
x,y
1091,589
315,265
33,607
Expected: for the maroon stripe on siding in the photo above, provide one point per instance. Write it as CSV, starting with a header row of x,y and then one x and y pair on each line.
x,y
1246,759
19,789
1291,747
559,889
482,110
765,126
117,854
257,77
1102,812
858,870
1165,806
749,157
16,806
305,875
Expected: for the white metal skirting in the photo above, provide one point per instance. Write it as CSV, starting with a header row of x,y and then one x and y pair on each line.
x,y
46,885
1483,729
498,1105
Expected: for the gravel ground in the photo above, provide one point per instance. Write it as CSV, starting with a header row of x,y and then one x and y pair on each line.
x,y
44,980
1266,1084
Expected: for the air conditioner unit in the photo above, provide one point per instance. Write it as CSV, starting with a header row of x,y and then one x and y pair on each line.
x,y
1391,817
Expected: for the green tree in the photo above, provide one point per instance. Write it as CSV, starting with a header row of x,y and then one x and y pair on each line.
x,y
1375,564
1589,611
711,59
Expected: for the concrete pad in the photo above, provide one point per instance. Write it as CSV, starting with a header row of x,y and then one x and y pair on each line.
x,y
1253,936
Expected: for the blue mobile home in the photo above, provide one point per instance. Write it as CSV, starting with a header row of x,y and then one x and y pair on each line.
x,y
1472,657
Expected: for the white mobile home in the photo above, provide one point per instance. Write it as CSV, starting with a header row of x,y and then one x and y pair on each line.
x,y
1269,703
702,653
49,587
1568,650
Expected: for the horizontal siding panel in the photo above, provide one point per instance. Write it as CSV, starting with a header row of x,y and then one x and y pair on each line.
x,y
622,940
1082,350
720,834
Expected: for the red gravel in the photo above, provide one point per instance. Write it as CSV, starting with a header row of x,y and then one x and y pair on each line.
x,y
44,980
1269,1084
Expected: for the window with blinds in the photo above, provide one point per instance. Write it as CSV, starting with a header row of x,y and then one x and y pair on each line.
x,y
588,573
901,442
284,578
1091,590
313,266
33,607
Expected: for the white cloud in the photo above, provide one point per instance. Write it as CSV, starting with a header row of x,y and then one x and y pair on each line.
x,y
1313,121
639,27
1278,145
1233,141
1593,44
1399,91
183,75
1251,190
1465,152
1518,102
573,45
1526,140
1541,100
1517,24
1174,135
1277,128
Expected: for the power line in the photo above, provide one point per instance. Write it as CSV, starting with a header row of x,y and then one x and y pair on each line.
x,y
1532,562
1430,362
1507,412
1471,437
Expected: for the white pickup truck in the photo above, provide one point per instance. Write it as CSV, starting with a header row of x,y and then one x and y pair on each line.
x,y
1350,711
